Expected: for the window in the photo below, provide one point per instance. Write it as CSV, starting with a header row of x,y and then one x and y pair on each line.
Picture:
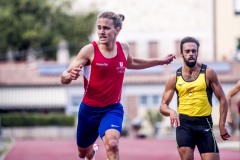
x,y
153,49
237,7
150,100
143,100
237,55
156,100
238,44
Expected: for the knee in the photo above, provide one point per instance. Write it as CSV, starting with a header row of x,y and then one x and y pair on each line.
x,y
112,145
186,153
81,153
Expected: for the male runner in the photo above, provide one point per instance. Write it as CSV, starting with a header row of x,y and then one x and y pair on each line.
x,y
104,62
194,84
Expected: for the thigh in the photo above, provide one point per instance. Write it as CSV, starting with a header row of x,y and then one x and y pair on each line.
x,y
112,119
206,142
87,128
185,136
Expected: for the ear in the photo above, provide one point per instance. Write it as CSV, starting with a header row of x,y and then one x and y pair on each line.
x,y
181,54
118,29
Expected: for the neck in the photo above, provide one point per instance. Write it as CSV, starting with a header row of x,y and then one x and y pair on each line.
x,y
191,70
107,46
108,50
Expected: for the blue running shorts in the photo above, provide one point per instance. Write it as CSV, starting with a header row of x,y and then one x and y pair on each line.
x,y
95,121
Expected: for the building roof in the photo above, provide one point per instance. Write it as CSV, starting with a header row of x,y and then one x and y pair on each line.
x,y
48,73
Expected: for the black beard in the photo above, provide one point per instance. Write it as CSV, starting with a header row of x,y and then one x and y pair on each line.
x,y
190,64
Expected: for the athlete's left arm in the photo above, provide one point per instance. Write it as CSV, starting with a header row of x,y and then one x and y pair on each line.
x,y
212,80
140,63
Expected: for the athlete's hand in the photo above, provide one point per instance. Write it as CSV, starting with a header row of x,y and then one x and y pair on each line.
x,y
169,58
224,133
174,118
74,74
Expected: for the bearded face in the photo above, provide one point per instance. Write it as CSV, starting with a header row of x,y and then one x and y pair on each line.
x,y
190,62
190,54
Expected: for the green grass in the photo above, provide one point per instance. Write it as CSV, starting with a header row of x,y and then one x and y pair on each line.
x,y
5,144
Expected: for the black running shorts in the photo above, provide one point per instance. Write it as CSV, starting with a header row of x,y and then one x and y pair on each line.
x,y
196,131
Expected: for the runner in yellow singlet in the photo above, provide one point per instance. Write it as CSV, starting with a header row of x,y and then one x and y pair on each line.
x,y
194,84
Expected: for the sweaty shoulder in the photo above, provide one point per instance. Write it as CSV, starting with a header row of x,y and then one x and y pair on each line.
x,y
88,49
209,71
124,45
87,52
171,82
172,78
211,75
126,48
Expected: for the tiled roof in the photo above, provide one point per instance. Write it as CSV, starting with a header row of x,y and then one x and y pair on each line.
x,y
48,73
25,74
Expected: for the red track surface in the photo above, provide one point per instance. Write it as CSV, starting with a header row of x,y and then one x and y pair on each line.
x,y
130,149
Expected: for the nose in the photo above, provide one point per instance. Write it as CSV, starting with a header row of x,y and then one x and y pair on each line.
x,y
191,53
101,30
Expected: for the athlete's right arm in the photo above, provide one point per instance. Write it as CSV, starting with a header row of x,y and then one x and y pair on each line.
x,y
166,99
84,57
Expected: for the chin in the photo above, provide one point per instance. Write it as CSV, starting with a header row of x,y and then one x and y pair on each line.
x,y
191,65
102,42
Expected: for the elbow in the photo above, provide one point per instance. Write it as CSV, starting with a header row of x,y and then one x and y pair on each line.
x,y
163,112
62,80
65,78
65,81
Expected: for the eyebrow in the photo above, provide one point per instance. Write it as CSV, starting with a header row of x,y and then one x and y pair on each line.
x,y
188,50
103,26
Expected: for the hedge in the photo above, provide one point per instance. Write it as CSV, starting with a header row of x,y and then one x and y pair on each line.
x,y
36,119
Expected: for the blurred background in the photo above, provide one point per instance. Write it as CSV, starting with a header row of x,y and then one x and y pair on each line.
x,y
39,39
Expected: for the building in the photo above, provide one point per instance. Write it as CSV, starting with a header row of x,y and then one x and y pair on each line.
x,y
154,29
227,32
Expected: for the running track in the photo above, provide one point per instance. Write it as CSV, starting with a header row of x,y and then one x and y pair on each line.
x,y
130,149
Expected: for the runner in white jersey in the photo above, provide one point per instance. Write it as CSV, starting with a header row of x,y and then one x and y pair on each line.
x,y
104,62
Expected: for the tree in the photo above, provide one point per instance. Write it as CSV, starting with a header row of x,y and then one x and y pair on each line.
x,y
154,117
41,24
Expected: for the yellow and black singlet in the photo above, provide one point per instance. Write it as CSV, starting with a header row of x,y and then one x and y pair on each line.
x,y
194,97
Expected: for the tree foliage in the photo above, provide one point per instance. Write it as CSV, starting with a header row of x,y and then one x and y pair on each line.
x,y
154,116
40,25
